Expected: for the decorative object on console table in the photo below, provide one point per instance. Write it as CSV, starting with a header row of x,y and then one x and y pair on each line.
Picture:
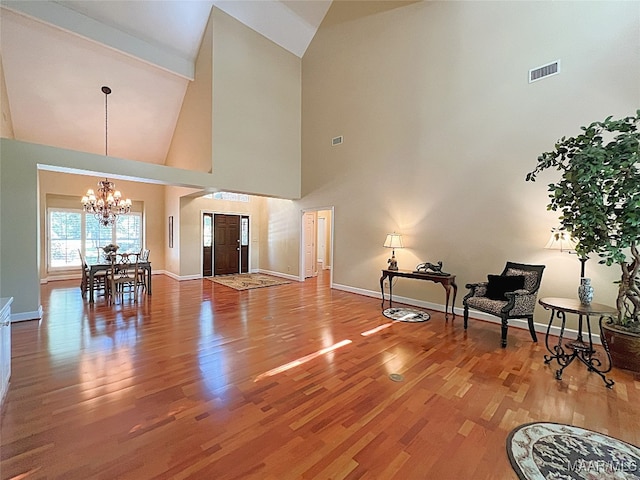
x,y
602,193
393,241
432,268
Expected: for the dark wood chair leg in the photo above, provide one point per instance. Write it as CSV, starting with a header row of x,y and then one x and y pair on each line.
x,y
532,330
505,327
466,316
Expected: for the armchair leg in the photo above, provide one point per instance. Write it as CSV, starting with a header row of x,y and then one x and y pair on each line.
x,y
532,330
466,316
505,327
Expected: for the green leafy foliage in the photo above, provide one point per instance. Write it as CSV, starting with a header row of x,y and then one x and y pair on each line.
x,y
598,197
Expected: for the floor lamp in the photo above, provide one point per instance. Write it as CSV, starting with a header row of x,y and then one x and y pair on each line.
x,y
562,240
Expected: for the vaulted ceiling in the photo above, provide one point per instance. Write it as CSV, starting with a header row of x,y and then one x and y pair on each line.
x,y
56,56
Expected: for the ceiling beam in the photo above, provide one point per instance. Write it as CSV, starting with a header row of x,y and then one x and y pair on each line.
x,y
79,24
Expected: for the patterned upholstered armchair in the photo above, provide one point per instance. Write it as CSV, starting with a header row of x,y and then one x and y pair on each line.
x,y
506,297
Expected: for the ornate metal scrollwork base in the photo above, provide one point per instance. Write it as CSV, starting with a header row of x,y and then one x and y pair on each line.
x,y
566,353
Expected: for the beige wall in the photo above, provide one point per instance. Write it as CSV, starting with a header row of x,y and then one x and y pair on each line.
x,y
147,197
191,144
280,237
191,209
441,126
256,112
172,208
6,125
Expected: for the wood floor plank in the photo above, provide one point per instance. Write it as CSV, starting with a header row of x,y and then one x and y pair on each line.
x,y
173,388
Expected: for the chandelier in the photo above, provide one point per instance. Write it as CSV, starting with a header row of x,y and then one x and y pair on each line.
x,y
107,203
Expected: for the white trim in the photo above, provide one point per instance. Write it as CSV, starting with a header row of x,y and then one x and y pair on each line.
x,y
473,314
84,26
24,316
278,274
332,240
181,278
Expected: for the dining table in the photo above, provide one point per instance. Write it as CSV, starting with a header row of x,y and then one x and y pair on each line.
x,y
103,265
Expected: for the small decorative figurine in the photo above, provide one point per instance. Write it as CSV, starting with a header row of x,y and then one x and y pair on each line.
x,y
433,269
393,263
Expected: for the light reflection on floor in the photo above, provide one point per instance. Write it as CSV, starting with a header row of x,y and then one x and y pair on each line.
x,y
376,329
211,355
300,361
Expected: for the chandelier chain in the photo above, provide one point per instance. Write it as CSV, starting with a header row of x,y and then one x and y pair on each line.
x,y
107,203
106,126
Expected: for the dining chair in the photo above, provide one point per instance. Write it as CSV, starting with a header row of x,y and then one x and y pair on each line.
x,y
99,278
123,276
142,274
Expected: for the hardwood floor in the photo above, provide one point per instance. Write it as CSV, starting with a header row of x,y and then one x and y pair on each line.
x,y
171,387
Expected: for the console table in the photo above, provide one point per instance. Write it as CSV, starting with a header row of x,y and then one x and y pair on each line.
x,y
578,348
447,281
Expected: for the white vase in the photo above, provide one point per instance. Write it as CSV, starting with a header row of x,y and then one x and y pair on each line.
x,y
585,291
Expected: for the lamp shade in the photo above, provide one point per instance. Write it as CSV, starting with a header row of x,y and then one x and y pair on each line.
x,y
393,240
561,240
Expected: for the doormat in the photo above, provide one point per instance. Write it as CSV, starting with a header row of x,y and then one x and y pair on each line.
x,y
406,315
552,450
247,281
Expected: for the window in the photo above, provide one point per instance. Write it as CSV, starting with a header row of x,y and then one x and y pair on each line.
x,y
72,230
65,237
230,196
244,231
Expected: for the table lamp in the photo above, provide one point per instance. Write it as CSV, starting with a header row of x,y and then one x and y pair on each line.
x,y
393,241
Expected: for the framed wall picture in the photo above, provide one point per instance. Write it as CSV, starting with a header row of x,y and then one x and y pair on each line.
x,y
171,231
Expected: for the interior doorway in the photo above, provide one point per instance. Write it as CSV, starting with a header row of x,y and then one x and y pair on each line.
x,y
316,243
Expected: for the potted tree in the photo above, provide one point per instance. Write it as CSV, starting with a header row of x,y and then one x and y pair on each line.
x,y
598,197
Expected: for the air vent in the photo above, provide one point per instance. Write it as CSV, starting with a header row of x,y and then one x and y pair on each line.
x,y
336,141
544,71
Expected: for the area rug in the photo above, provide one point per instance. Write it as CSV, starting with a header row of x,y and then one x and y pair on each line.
x,y
556,451
406,314
246,281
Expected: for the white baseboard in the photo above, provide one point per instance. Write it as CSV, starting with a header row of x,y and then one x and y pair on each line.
x,y
66,276
473,314
180,278
288,276
25,316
